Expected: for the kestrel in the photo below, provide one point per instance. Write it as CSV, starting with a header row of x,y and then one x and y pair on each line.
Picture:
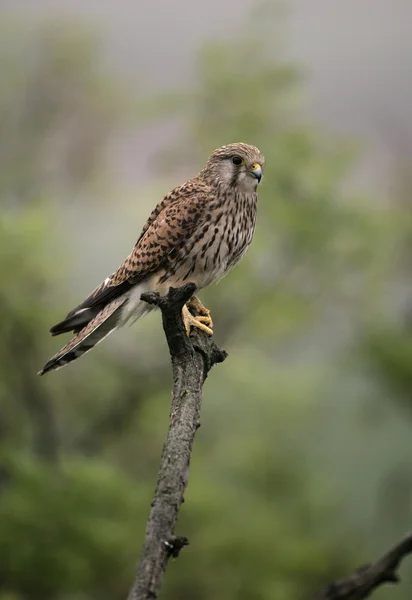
x,y
197,233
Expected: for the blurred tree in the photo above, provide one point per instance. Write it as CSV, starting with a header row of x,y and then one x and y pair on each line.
x,y
58,110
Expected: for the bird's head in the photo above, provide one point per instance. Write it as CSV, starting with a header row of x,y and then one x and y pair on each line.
x,y
236,165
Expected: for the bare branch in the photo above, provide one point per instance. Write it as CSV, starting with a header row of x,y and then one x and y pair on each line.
x,y
367,578
192,359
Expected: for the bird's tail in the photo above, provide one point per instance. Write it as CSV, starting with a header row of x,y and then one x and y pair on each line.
x,y
93,333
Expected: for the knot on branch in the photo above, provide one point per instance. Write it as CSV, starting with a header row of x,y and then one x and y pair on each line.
x,y
175,543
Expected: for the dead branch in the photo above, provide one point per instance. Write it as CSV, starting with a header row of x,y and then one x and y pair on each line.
x,y
369,577
192,358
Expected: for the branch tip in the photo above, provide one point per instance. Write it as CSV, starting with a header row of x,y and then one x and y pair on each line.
x,y
367,578
150,298
175,298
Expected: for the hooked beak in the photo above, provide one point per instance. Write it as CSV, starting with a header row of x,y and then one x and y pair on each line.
x,y
256,171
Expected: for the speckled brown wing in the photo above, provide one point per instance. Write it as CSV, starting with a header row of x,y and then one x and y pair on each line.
x,y
166,235
166,232
177,194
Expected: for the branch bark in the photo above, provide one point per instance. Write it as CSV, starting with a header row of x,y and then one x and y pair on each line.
x,y
192,358
366,579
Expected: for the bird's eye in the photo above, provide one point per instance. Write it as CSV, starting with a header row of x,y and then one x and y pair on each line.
x,y
236,160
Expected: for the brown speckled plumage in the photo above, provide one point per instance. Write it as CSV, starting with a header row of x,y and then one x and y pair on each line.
x,y
198,232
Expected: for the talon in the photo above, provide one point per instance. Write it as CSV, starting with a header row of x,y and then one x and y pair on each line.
x,y
191,321
204,313
205,320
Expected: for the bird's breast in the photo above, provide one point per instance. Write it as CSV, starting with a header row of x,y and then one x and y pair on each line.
x,y
217,245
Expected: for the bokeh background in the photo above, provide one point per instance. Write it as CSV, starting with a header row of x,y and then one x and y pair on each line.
x,y
302,469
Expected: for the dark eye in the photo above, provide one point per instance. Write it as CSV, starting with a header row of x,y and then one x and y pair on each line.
x,y
236,160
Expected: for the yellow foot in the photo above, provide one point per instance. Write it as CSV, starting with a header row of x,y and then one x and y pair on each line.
x,y
195,305
200,322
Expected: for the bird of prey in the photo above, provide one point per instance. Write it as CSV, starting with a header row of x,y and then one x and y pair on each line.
x,y
199,231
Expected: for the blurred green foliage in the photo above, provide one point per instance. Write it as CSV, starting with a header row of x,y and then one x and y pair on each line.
x,y
279,500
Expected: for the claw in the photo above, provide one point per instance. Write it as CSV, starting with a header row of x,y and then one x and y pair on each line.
x,y
204,313
201,322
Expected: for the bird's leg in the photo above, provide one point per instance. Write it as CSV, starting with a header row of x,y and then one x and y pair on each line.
x,y
195,305
191,321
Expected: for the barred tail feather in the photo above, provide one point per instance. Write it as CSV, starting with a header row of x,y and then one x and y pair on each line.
x,y
75,322
94,332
